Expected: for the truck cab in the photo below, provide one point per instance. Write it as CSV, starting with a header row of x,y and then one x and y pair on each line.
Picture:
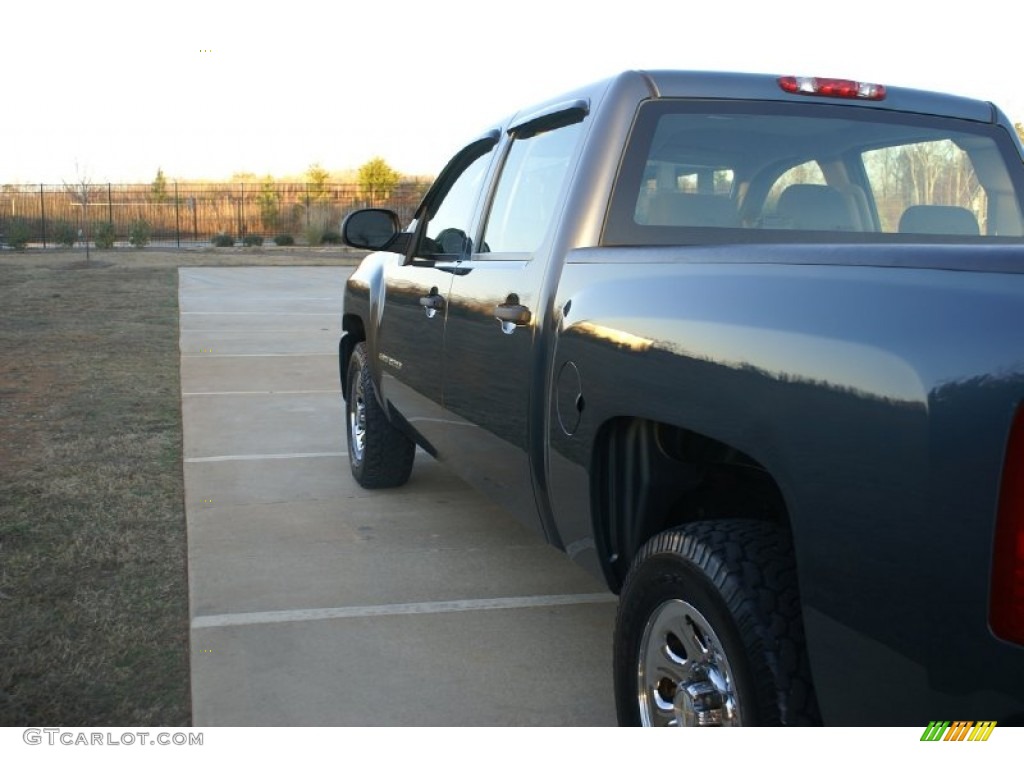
x,y
747,348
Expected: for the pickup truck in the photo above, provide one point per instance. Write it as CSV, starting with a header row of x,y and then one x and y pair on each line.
x,y
751,350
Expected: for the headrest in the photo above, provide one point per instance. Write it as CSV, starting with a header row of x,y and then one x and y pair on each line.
x,y
814,206
939,220
677,209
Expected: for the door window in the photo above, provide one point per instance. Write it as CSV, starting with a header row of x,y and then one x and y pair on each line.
x,y
449,218
528,190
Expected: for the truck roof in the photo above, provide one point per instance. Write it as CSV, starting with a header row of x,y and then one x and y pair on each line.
x,y
725,85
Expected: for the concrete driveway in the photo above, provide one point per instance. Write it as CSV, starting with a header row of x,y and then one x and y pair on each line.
x,y
314,602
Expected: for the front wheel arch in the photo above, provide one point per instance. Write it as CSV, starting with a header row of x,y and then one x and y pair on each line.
x,y
352,333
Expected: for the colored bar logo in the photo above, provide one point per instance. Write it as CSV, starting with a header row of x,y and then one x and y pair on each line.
x,y
959,730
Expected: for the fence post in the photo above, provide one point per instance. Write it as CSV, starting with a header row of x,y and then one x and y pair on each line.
x,y
110,206
241,207
177,216
85,215
42,214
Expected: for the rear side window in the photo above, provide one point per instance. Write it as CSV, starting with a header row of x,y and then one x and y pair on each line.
x,y
712,172
528,189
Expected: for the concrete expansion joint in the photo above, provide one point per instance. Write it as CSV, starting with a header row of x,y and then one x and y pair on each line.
x,y
399,609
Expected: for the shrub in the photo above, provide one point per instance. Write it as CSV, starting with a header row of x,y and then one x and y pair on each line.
x,y
250,240
331,238
313,234
65,234
284,240
223,240
138,233
18,234
104,235
318,222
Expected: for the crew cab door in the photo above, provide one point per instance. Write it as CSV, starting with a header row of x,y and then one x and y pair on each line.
x,y
411,331
495,313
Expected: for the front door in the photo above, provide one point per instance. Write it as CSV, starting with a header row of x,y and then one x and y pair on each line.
x,y
416,286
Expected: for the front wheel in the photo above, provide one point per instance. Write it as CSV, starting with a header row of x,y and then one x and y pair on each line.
x,y
709,630
379,455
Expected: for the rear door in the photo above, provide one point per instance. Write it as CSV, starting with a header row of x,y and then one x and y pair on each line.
x,y
494,311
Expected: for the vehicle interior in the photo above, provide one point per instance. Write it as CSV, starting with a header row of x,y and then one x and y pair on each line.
x,y
847,171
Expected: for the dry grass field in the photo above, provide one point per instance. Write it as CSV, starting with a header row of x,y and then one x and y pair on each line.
x,y
93,569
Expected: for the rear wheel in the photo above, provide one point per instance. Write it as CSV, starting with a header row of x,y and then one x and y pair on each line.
x,y
379,455
709,630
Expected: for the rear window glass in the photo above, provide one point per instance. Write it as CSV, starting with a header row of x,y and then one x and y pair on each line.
x,y
705,172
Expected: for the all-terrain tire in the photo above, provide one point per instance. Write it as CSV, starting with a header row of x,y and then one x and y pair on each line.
x,y
710,612
380,455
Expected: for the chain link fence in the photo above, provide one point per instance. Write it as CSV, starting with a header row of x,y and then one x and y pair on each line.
x,y
181,215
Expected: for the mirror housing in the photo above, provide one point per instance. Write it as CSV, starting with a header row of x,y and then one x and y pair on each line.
x,y
371,229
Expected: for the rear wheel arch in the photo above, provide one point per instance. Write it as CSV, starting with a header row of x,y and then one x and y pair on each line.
x,y
648,476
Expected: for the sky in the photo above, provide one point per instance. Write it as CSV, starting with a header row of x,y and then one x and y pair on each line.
x,y
110,91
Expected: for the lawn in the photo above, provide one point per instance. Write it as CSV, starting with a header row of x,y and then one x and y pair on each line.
x,y
93,567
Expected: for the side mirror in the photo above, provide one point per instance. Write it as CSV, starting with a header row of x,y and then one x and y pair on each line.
x,y
371,228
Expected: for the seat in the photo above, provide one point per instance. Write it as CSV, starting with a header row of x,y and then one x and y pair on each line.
x,y
814,207
939,220
680,209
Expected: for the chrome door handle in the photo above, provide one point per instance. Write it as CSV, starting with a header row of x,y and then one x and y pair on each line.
x,y
516,314
433,301
512,314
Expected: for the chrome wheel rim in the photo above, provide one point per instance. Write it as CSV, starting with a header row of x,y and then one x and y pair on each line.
x,y
357,421
683,675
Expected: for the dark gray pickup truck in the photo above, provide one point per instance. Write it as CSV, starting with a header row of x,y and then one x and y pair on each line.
x,y
750,349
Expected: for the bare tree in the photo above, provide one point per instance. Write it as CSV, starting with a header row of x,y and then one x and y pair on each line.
x,y
79,191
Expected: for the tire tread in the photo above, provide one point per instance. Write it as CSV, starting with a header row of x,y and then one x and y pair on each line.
x,y
751,565
388,454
